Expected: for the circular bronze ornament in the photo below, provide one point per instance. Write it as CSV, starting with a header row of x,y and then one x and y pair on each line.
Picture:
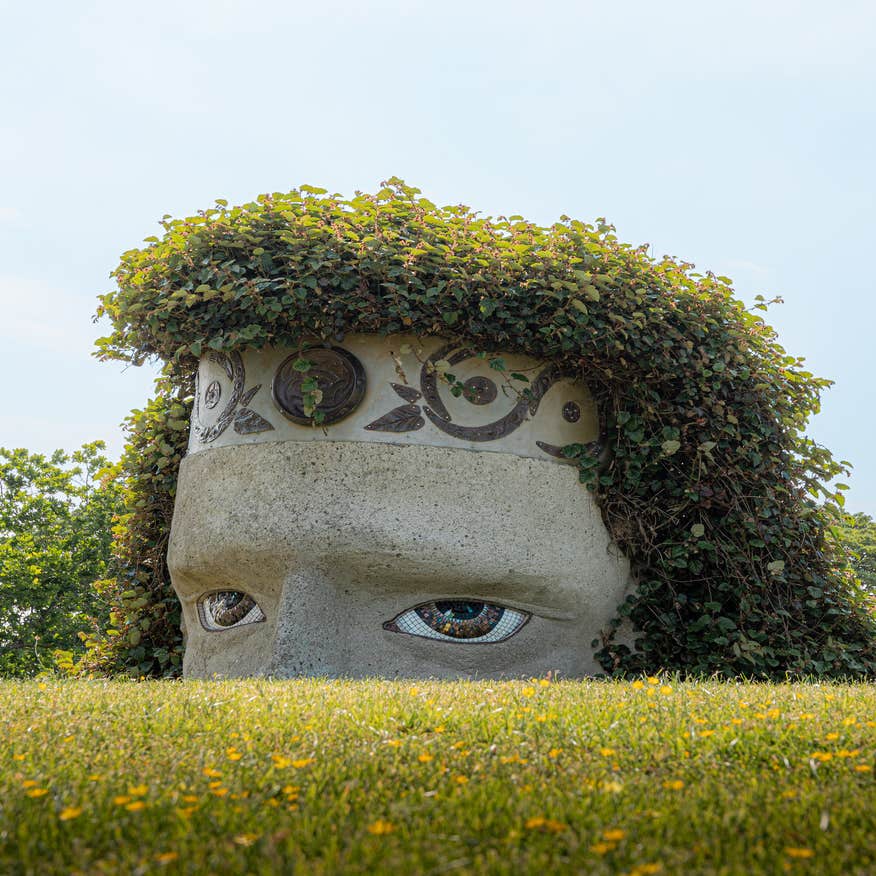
x,y
339,375
480,390
212,395
571,412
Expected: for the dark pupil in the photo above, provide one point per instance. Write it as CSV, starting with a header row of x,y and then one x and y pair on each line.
x,y
460,610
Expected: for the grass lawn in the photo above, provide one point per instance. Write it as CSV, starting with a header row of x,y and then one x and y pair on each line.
x,y
653,776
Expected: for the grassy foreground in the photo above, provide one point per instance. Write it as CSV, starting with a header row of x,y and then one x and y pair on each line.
x,y
653,776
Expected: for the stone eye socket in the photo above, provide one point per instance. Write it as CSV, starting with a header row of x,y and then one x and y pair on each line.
x,y
459,620
225,609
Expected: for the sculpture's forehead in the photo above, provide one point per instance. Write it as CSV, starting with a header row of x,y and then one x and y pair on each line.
x,y
391,390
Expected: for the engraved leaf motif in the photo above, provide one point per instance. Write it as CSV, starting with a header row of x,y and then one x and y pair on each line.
x,y
248,422
405,418
248,395
408,393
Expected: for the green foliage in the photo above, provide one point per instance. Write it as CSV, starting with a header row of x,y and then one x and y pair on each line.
x,y
56,516
144,636
379,777
708,483
857,534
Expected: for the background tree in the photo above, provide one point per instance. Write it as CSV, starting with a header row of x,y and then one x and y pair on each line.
x,y
858,536
56,519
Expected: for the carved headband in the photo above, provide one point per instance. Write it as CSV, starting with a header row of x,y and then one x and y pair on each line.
x,y
396,390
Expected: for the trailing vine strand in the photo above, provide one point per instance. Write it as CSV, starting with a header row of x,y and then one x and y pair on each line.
x,y
709,485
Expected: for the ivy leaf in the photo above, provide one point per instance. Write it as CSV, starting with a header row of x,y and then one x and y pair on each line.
x,y
670,447
698,530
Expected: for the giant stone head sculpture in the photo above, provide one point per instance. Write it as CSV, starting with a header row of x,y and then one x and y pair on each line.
x,y
389,506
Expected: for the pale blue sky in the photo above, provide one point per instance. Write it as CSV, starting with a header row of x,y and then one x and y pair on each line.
x,y
739,136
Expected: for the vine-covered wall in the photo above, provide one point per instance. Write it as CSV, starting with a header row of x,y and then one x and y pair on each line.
x,y
710,486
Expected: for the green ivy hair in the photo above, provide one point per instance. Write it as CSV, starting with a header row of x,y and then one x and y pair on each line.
x,y
710,486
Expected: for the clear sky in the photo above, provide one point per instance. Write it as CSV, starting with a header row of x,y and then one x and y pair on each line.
x,y
739,136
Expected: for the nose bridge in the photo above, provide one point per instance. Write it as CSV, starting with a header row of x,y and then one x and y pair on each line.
x,y
311,629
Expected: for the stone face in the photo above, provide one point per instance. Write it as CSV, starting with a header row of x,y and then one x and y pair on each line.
x,y
334,540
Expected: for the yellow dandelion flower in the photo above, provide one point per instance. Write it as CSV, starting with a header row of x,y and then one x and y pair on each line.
x,y
29,783
138,790
166,857
602,848
528,691
136,806
614,835
68,739
789,795
211,773
37,792
844,752
414,691
246,839
394,743
611,787
647,869
19,756
823,756
187,811
190,798
653,680
544,682
606,752
638,684
381,827
706,733
831,737
461,780
798,852
744,705
807,716
233,754
70,813
424,758
548,825
863,768
94,777
555,753
673,784
219,792
281,762
272,802
121,800
291,789
302,762
666,689
736,721
848,722
42,686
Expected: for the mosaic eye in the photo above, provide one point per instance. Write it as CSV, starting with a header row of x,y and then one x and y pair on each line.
x,y
228,608
459,620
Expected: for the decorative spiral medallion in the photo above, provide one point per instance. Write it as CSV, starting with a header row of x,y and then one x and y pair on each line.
x,y
246,421
339,376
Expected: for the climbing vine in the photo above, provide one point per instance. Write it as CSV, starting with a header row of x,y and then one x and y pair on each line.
x,y
710,486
